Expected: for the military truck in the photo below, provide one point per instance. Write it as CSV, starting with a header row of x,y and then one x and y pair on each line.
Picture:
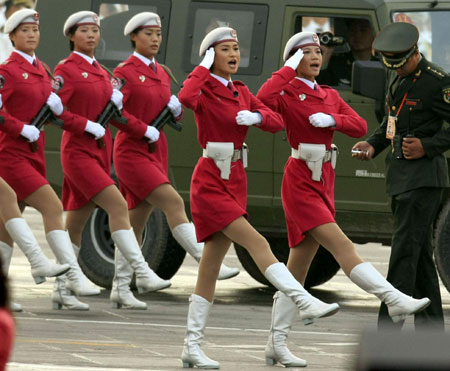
x,y
263,27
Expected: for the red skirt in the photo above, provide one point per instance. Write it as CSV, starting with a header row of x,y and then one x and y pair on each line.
x,y
307,204
216,202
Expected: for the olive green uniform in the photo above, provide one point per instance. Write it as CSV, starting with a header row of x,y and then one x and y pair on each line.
x,y
416,186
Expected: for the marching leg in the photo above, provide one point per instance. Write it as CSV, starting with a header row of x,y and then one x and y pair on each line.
x,y
121,295
6,254
283,314
146,279
41,267
309,306
184,234
399,305
61,246
193,355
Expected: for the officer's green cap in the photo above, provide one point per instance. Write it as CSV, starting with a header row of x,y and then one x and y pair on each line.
x,y
396,42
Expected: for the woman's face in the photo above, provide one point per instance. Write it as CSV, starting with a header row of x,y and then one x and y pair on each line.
x,y
227,59
148,41
311,62
85,39
26,38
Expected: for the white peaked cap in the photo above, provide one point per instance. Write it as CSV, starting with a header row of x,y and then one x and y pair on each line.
x,y
85,17
142,20
24,16
217,36
299,40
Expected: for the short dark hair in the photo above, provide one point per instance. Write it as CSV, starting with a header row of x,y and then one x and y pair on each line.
x,y
135,32
71,32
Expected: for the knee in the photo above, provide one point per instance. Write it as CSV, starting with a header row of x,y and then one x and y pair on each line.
x,y
118,209
175,204
258,244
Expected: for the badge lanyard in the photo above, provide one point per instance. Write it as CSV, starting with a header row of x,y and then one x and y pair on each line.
x,y
392,119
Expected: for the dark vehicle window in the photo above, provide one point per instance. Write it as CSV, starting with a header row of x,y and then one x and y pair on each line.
x,y
114,47
343,40
249,21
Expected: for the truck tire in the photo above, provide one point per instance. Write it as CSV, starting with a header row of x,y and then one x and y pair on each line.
x,y
442,245
160,250
323,266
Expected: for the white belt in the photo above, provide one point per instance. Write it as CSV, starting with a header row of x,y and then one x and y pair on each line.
x,y
315,155
223,154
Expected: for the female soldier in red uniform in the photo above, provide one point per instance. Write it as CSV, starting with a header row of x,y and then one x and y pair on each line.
x,y
223,112
25,87
312,114
143,176
87,182
11,216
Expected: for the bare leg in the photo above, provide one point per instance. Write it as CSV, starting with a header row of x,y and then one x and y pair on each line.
x,y
213,253
300,258
111,200
8,203
138,218
241,232
76,221
331,237
49,205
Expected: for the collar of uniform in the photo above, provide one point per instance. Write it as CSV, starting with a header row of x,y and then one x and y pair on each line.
x,y
30,59
307,82
85,57
144,59
221,79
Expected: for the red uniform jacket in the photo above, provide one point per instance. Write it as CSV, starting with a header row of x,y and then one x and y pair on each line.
x,y
24,89
216,202
307,203
146,94
86,91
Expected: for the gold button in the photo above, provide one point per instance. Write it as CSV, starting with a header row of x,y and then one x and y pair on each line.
x,y
394,108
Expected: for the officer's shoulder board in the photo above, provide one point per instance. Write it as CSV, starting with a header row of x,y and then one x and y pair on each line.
x,y
62,61
435,71
121,64
446,94
238,83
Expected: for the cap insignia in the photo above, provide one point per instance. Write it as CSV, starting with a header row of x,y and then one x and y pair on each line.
x,y
446,95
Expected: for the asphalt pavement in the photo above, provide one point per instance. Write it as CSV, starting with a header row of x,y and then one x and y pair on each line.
x,y
111,339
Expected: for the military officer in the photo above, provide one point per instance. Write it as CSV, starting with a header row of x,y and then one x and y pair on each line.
x,y
418,103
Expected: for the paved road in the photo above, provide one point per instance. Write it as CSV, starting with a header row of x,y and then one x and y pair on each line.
x,y
111,339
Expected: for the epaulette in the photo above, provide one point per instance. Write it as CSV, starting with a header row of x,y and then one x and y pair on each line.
x,y
62,61
121,64
237,82
436,71
5,62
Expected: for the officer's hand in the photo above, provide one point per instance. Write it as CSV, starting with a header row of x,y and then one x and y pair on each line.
x,y
208,59
248,118
412,148
174,106
116,98
30,132
322,120
295,60
95,129
1,103
152,134
363,151
55,104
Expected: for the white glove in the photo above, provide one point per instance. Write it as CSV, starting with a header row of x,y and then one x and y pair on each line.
x,y
174,106
208,59
116,98
95,129
295,60
322,120
55,104
248,118
30,132
1,103
152,134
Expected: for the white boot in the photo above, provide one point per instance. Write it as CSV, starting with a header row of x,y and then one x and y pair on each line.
x,y
41,267
184,234
146,279
197,316
399,305
310,307
6,252
121,295
61,246
283,313
63,298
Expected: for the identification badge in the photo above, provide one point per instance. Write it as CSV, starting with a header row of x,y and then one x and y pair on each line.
x,y
390,129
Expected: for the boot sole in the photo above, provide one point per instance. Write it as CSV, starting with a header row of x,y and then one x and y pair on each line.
x,y
334,310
